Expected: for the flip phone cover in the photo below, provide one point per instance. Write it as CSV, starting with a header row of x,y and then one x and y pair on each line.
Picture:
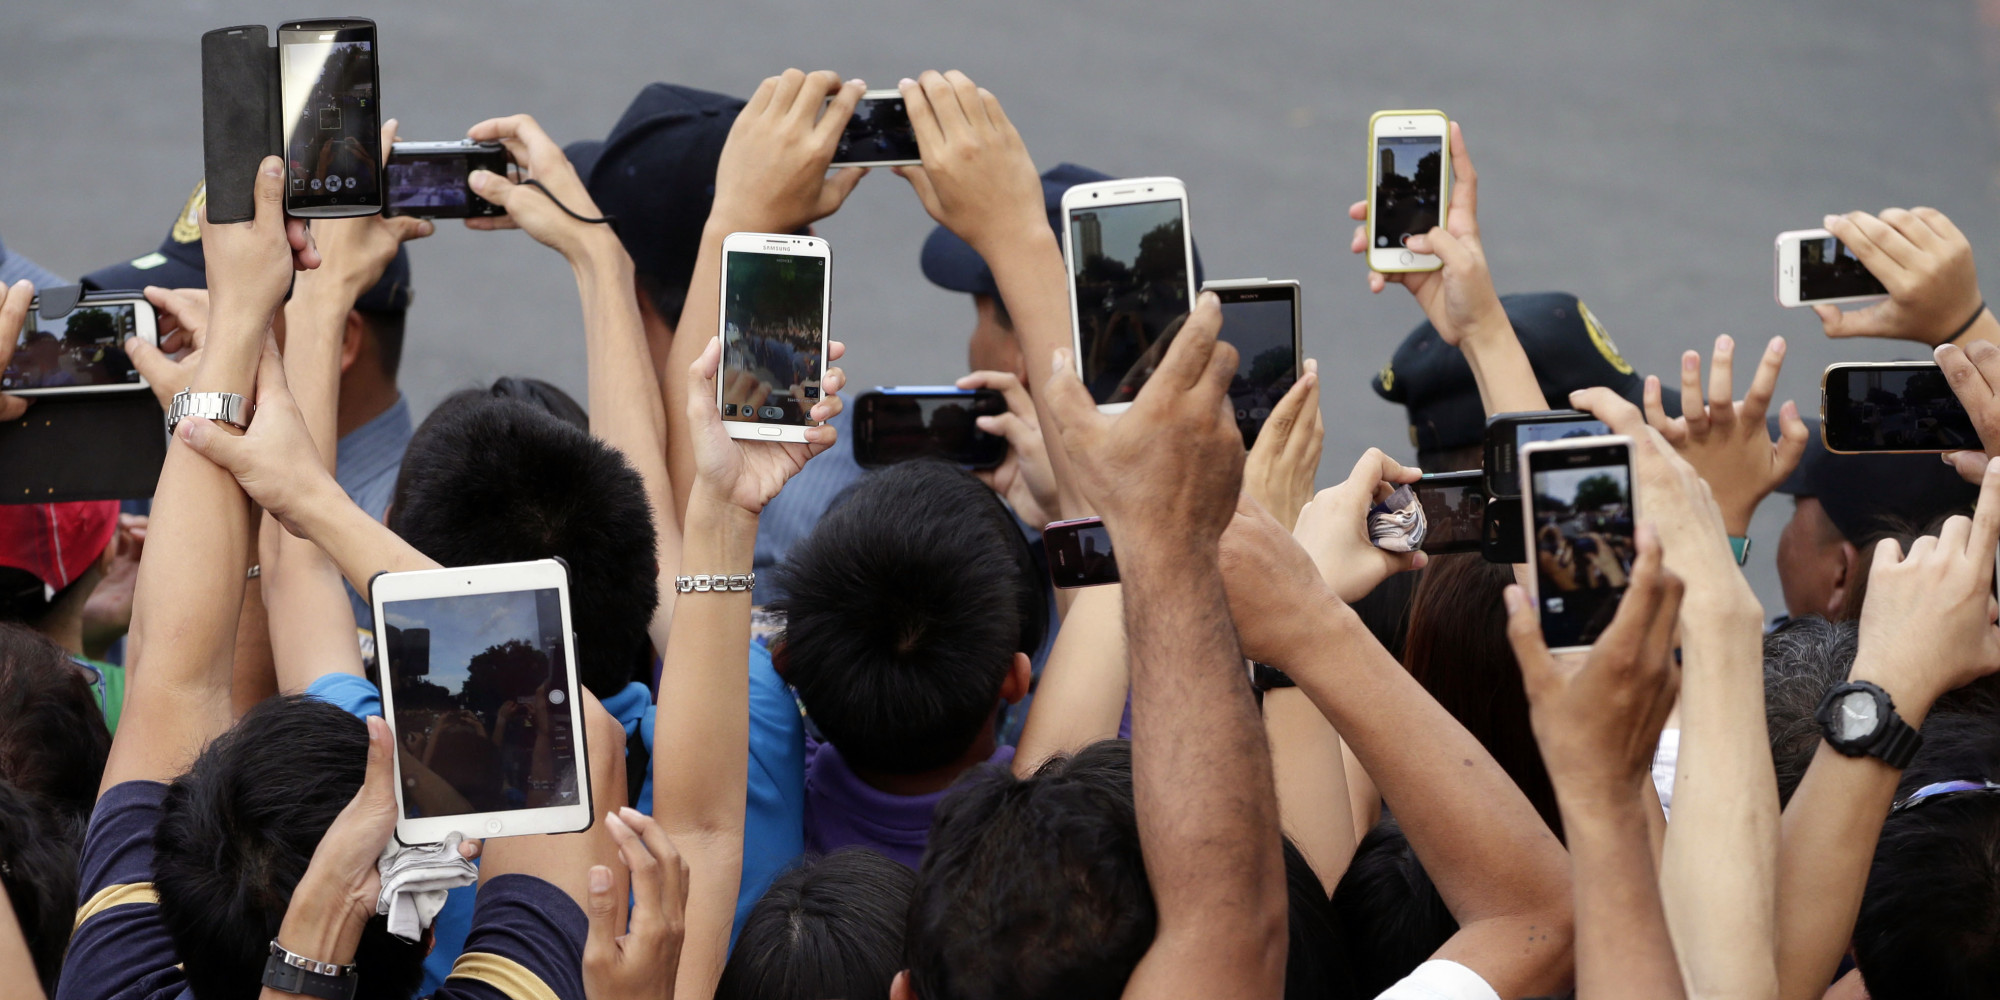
x,y
100,446
239,117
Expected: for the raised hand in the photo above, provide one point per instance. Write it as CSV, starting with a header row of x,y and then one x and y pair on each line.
x,y
1025,479
1924,262
641,963
356,251
1333,528
1974,374
537,211
977,179
274,461
772,176
1458,298
14,302
1279,471
250,264
169,366
749,473
1728,442
1276,594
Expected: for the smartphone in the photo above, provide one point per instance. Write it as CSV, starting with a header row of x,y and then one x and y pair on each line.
x,y
878,134
1579,512
774,309
1506,433
328,89
1454,506
898,423
1131,267
1894,406
1500,538
480,690
1409,180
1080,553
1814,268
1261,318
83,351
431,179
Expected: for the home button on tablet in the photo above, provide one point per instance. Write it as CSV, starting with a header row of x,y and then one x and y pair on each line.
x,y
493,827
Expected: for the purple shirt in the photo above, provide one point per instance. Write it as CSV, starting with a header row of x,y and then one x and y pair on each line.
x,y
844,811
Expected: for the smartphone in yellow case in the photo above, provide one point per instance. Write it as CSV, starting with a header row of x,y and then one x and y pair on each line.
x,y
1409,186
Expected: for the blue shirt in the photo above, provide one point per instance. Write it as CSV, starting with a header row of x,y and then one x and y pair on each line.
x,y
365,465
796,510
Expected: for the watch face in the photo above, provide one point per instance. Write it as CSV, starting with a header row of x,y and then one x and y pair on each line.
x,y
1857,718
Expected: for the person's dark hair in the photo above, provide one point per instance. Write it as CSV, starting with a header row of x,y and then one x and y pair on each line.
x,y
1453,459
1316,963
39,848
236,833
666,297
1385,611
1458,650
1389,909
1033,887
1803,659
386,326
493,480
903,611
53,741
830,927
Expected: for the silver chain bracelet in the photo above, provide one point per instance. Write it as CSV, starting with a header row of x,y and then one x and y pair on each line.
x,y
703,583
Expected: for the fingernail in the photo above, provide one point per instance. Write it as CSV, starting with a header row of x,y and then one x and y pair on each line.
x,y
1210,298
600,879
1689,362
985,424
1512,597
627,812
1724,342
272,168
906,82
1827,223
1312,365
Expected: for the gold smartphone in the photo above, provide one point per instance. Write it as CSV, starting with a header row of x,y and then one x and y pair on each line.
x,y
1409,186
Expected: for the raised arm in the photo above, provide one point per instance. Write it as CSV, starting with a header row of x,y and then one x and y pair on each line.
x,y
180,652
1201,777
1926,264
1728,443
1080,698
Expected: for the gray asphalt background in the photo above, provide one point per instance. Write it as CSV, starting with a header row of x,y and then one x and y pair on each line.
x,y
1640,155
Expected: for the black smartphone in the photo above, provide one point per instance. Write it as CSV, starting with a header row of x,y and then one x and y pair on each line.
x,y
1896,406
1506,433
1580,516
329,88
432,179
898,423
878,134
1080,553
1454,506
1260,317
1500,538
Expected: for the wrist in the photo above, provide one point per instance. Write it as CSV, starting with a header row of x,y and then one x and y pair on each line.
x,y
1902,676
1983,326
1488,328
1030,232
597,254
711,509
324,921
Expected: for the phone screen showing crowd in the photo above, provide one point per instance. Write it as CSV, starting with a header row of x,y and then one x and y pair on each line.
x,y
773,329
1582,541
84,348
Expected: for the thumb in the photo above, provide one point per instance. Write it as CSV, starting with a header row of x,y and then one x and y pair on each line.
x,y
493,188
600,945
1970,465
920,182
1069,402
1524,633
701,384
838,187
225,450
1449,249
157,368
409,227
378,786
271,191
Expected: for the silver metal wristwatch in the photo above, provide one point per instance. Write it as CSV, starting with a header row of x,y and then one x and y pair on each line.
x,y
221,407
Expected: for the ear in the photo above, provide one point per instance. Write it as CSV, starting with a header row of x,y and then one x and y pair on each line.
x,y
1847,570
350,339
1020,676
899,987
781,657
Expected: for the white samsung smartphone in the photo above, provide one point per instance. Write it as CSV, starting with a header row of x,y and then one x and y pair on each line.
x,y
1131,267
1579,515
479,685
83,351
774,309
1409,186
878,134
1813,268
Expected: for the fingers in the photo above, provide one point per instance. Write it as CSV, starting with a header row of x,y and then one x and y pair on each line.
x,y
790,82
1888,552
305,252
601,946
836,188
493,187
272,390
838,111
13,315
923,121
157,368
819,85
1375,466
378,785
1464,209
1278,426
1010,387
1764,383
1721,373
1884,238
759,101
1302,445
1070,404
1675,431
1188,358
645,869
1447,248
388,139
1986,358
969,100
951,116
920,182
667,859
1616,411
1358,212
1970,465
701,384
270,192
1524,633
1693,412
1792,439
1985,526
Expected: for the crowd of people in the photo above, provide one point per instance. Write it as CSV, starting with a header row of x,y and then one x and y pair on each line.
x,y
1274,760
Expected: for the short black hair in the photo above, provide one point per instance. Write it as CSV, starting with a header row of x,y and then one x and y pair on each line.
x,y
668,298
1390,909
236,833
494,480
830,927
903,612
386,326
1804,658
1034,887
39,848
53,741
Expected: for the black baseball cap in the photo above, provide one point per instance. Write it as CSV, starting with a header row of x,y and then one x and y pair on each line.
x,y
951,263
178,263
1869,493
655,175
1565,343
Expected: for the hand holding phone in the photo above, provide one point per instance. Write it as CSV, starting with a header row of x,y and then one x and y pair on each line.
x,y
747,472
81,351
1131,268
1924,264
433,180
1580,513
1080,553
772,176
1333,528
1897,406
878,133
1974,374
979,182
1457,296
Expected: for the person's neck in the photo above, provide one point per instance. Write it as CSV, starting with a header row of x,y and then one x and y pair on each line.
x,y
937,779
362,398
64,627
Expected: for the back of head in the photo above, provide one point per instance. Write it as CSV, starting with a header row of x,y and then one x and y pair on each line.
x,y
1803,659
38,870
1929,925
831,927
1316,965
903,612
53,741
494,480
1458,650
235,835
1034,888
1389,909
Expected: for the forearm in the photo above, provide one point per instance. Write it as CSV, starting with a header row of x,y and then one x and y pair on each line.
x,y
1310,772
312,628
699,320
1622,945
358,544
315,326
1081,696
1028,269
252,671
1500,366
21,983
1719,862
1986,328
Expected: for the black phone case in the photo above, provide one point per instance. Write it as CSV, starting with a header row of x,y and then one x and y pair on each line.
x,y
94,446
239,117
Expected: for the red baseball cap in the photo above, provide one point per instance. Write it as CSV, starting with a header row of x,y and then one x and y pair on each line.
x,y
56,541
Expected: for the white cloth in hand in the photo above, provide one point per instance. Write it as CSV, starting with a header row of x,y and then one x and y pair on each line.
x,y
415,880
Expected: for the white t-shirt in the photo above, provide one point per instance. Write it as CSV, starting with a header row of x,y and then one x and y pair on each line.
x,y
1440,979
1665,757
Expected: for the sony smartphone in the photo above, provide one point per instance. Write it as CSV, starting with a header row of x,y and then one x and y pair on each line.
x,y
1500,538
1080,553
774,309
329,95
878,134
83,351
1409,180
898,423
479,685
1579,513
1813,268
432,180
1131,268
1454,506
1506,433
1260,317
1894,406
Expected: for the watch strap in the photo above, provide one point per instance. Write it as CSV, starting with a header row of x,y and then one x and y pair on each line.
x,y
1741,546
1898,742
287,972
221,407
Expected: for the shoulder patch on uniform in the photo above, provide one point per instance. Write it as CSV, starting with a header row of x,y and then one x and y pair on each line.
x,y
1603,340
187,228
